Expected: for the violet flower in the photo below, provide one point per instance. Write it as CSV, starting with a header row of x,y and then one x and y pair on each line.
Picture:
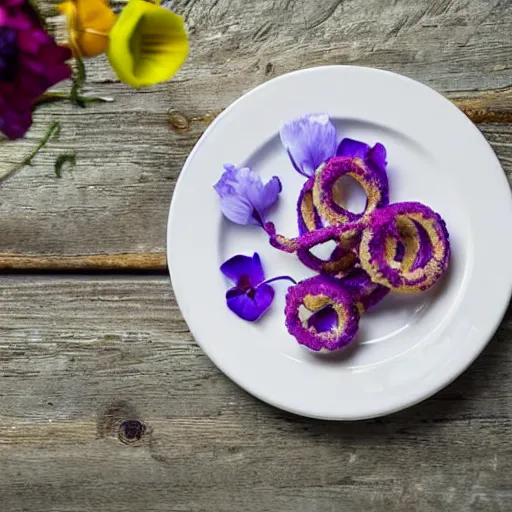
x,y
310,141
374,157
251,296
30,63
244,199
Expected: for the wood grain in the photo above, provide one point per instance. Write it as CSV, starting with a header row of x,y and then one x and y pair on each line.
x,y
130,152
87,366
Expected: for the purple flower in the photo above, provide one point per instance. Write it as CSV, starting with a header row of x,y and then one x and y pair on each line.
x,y
30,63
310,141
244,198
251,296
375,158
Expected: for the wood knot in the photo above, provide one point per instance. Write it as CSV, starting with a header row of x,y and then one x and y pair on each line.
x,y
120,421
131,431
178,121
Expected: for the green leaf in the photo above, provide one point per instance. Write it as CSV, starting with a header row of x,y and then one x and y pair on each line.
x,y
63,160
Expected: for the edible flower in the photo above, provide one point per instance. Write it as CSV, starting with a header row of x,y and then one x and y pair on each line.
x,y
89,23
244,198
148,44
374,157
310,140
251,296
30,63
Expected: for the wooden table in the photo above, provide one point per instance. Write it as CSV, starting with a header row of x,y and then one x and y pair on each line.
x,y
107,404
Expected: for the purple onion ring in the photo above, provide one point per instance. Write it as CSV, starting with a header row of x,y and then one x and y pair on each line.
x,y
374,184
343,258
308,218
363,290
315,294
405,247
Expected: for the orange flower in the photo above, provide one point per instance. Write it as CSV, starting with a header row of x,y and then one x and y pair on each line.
x,y
89,23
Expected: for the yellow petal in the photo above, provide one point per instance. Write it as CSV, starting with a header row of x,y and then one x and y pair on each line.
x,y
89,23
148,44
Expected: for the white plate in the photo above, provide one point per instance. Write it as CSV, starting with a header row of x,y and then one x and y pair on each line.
x,y
409,347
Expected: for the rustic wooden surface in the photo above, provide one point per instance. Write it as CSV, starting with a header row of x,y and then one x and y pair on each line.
x,y
106,402
115,202
79,356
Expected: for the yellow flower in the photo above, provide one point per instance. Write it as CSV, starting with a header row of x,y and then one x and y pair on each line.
x,y
148,44
89,22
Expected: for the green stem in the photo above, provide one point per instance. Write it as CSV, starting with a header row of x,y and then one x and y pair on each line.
x,y
53,130
53,96
79,78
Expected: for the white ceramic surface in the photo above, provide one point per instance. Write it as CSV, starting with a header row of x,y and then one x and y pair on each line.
x,y
409,347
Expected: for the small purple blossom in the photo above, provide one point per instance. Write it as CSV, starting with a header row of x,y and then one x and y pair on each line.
x,y
310,141
251,296
244,199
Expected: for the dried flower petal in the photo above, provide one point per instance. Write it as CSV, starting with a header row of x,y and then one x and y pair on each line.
x,y
310,141
244,199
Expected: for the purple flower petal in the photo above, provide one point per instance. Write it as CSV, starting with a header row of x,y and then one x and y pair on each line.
x,y
244,271
262,197
250,306
310,141
324,320
374,157
377,156
353,148
30,63
270,194
238,210
243,197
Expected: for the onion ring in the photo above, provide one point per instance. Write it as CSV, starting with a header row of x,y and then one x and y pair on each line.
x,y
426,247
364,291
308,218
374,184
316,294
343,258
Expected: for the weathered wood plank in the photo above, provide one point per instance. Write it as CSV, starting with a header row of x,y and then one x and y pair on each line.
x,y
129,155
80,357
89,218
